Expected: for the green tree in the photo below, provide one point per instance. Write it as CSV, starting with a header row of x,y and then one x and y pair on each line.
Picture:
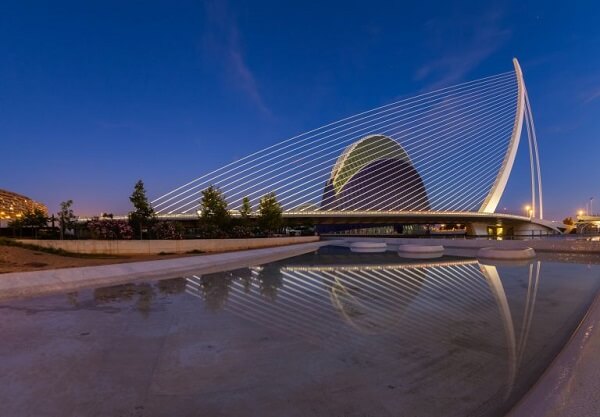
x,y
269,213
246,208
213,208
143,214
35,219
66,218
16,224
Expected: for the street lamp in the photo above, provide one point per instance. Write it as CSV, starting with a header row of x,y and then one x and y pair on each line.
x,y
529,211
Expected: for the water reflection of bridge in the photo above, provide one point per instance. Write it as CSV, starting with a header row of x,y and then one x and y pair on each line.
x,y
371,307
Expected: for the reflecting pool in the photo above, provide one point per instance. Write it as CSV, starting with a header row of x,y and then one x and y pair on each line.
x,y
331,333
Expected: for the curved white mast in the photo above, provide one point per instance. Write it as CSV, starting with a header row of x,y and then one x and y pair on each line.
x,y
523,113
493,198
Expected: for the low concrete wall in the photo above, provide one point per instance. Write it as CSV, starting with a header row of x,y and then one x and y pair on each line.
x,y
152,247
542,245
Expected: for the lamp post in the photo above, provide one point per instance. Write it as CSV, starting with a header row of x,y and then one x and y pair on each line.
x,y
529,211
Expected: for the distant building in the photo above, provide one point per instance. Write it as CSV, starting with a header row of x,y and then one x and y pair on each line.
x,y
13,205
588,224
375,173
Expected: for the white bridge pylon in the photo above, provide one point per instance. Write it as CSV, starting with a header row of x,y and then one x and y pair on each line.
x,y
449,150
524,113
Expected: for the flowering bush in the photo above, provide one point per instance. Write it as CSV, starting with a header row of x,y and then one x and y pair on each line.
x,y
210,231
109,229
167,230
240,232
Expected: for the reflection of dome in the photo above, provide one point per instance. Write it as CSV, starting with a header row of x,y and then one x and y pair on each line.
x,y
374,312
374,173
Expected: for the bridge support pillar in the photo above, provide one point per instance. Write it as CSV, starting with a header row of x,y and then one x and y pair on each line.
x,y
531,229
477,229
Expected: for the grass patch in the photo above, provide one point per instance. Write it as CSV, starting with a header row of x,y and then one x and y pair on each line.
x,y
54,251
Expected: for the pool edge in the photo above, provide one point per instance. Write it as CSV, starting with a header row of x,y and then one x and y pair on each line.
x,y
569,386
39,283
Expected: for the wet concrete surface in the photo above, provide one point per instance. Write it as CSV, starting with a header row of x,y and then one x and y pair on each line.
x,y
331,334
570,386
33,283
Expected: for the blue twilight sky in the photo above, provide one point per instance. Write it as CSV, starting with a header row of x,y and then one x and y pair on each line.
x,y
97,94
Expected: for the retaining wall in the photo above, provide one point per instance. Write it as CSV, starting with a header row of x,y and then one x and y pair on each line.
x,y
152,247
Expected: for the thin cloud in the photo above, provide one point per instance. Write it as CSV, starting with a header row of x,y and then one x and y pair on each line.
x,y
221,41
471,42
594,95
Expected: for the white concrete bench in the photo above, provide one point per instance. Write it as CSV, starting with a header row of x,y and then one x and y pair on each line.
x,y
421,248
368,247
420,251
506,254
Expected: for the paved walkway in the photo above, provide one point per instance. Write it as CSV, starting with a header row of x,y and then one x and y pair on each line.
x,y
33,283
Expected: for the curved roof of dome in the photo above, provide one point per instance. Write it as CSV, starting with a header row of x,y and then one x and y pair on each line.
x,y
361,153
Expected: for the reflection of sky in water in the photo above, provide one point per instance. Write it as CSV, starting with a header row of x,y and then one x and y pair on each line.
x,y
332,333
371,306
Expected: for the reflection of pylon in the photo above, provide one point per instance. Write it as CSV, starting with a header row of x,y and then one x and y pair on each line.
x,y
516,348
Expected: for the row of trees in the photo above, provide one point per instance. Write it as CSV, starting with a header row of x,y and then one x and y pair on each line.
x,y
215,219
214,211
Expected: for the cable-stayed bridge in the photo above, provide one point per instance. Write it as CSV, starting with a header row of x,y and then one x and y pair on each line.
x,y
441,156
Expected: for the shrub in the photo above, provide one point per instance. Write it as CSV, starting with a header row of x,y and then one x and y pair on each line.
x,y
240,232
167,230
210,231
110,229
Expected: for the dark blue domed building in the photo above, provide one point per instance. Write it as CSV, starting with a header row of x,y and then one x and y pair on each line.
x,y
375,174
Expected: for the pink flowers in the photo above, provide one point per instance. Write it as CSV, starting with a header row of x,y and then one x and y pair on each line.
x,y
167,230
109,229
